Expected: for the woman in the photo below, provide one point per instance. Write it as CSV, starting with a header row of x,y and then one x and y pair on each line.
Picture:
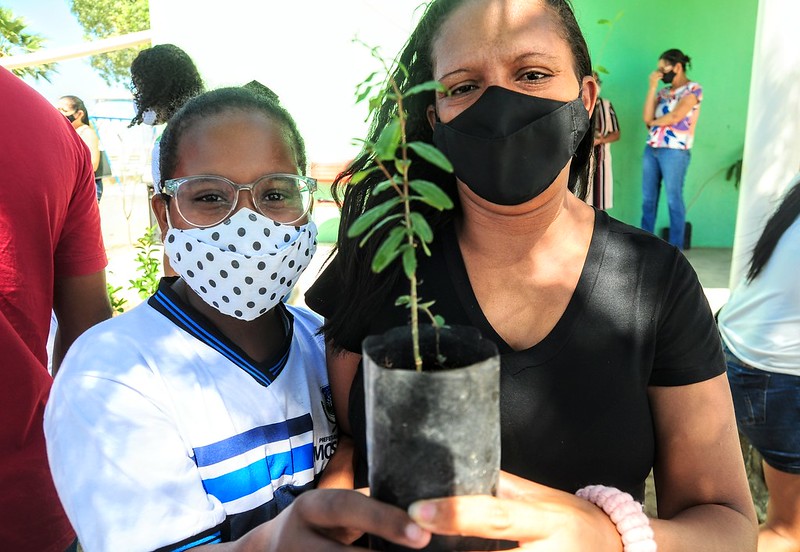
x,y
606,132
611,364
671,115
760,328
204,412
76,113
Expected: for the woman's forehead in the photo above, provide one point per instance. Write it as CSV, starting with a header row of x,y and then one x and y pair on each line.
x,y
508,28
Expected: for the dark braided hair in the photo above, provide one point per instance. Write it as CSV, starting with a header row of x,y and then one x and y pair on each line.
x,y
221,101
163,78
783,217
366,291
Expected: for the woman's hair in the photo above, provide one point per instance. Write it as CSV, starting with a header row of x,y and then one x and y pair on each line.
x,y
77,104
676,56
783,217
221,101
365,292
163,78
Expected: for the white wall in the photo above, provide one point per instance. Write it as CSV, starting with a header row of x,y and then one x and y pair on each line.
x,y
772,150
302,49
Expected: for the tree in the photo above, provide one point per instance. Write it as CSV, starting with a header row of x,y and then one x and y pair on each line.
x,y
105,18
15,40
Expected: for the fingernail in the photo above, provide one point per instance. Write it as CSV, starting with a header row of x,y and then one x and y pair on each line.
x,y
414,532
422,511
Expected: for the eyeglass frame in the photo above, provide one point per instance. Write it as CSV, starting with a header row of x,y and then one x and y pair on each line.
x,y
170,189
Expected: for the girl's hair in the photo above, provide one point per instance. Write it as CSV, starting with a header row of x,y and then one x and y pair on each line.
x,y
163,77
221,101
77,104
676,56
783,217
366,292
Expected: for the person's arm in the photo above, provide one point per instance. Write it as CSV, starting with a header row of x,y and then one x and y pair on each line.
x,y
680,112
608,138
79,302
704,500
649,111
328,521
92,141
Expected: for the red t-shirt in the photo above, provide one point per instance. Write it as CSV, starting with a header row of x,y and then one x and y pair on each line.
x,y
49,228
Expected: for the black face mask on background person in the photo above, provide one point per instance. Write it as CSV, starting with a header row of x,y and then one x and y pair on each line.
x,y
667,78
70,117
508,147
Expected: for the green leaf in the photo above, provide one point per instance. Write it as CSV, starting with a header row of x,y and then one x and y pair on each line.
x,y
402,165
439,320
426,86
382,186
388,250
387,143
421,227
377,227
371,217
361,175
603,22
601,69
409,261
402,300
427,305
363,95
432,155
431,194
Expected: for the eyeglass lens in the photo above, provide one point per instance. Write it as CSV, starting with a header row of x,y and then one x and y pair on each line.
x,y
207,201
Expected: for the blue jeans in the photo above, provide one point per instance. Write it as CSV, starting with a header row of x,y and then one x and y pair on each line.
x,y
670,166
767,408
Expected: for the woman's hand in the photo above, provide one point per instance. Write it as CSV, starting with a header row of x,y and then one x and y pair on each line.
x,y
655,76
537,517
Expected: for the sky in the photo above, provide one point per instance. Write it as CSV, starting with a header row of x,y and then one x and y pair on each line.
x,y
53,20
304,50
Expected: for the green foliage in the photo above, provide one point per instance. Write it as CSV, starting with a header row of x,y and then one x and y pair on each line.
x,y
117,303
14,40
148,264
409,229
105,18
610,23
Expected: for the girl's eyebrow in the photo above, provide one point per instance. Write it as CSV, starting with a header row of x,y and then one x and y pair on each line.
x,y
544,56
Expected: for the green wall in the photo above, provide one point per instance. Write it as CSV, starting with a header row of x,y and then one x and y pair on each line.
x,y
718,35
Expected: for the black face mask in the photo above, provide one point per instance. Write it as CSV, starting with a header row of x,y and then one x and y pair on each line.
x,y
509,147
667,78
70,117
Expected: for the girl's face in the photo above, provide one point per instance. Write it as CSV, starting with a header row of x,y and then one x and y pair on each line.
x,y
515,44
239,145
66,108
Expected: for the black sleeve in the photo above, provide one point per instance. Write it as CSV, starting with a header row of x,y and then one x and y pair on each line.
x,y
688,348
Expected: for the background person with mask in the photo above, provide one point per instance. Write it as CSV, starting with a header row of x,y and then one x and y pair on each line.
x,y
76,113
671,116
606,131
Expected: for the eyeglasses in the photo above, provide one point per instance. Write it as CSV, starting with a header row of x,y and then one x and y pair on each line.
x,y
207,200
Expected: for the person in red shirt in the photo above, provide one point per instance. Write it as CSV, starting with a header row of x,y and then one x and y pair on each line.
x,y
51,258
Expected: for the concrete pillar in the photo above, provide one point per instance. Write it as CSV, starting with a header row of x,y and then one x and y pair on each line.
x,y
771,151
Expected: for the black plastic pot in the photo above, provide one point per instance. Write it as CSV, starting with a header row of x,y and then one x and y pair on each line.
x,y
436,432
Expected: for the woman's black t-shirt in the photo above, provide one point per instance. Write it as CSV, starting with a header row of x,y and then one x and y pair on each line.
x,y
574,407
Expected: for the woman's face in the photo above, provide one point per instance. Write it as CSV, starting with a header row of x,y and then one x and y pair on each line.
x,y
239,145
515,44
67,109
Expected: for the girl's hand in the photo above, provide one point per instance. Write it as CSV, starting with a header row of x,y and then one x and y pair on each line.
x,y
537,517
328,520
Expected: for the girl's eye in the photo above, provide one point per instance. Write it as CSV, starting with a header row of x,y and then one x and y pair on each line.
x,y
209,198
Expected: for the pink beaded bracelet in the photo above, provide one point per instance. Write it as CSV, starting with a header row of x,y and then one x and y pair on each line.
x,y
633,525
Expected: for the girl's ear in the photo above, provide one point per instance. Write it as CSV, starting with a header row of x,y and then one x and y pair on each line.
x,y
160,207
589,93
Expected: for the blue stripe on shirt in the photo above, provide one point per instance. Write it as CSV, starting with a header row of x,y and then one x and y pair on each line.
x,y
260,474
256,437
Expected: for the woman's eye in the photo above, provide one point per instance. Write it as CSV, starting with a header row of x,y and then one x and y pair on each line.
x,y
462,89
272,195
533,76
209,198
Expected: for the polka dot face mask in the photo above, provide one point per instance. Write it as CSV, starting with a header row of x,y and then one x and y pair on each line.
x,y
244,266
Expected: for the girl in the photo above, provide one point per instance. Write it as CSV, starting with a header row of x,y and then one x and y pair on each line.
x,y
200,415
